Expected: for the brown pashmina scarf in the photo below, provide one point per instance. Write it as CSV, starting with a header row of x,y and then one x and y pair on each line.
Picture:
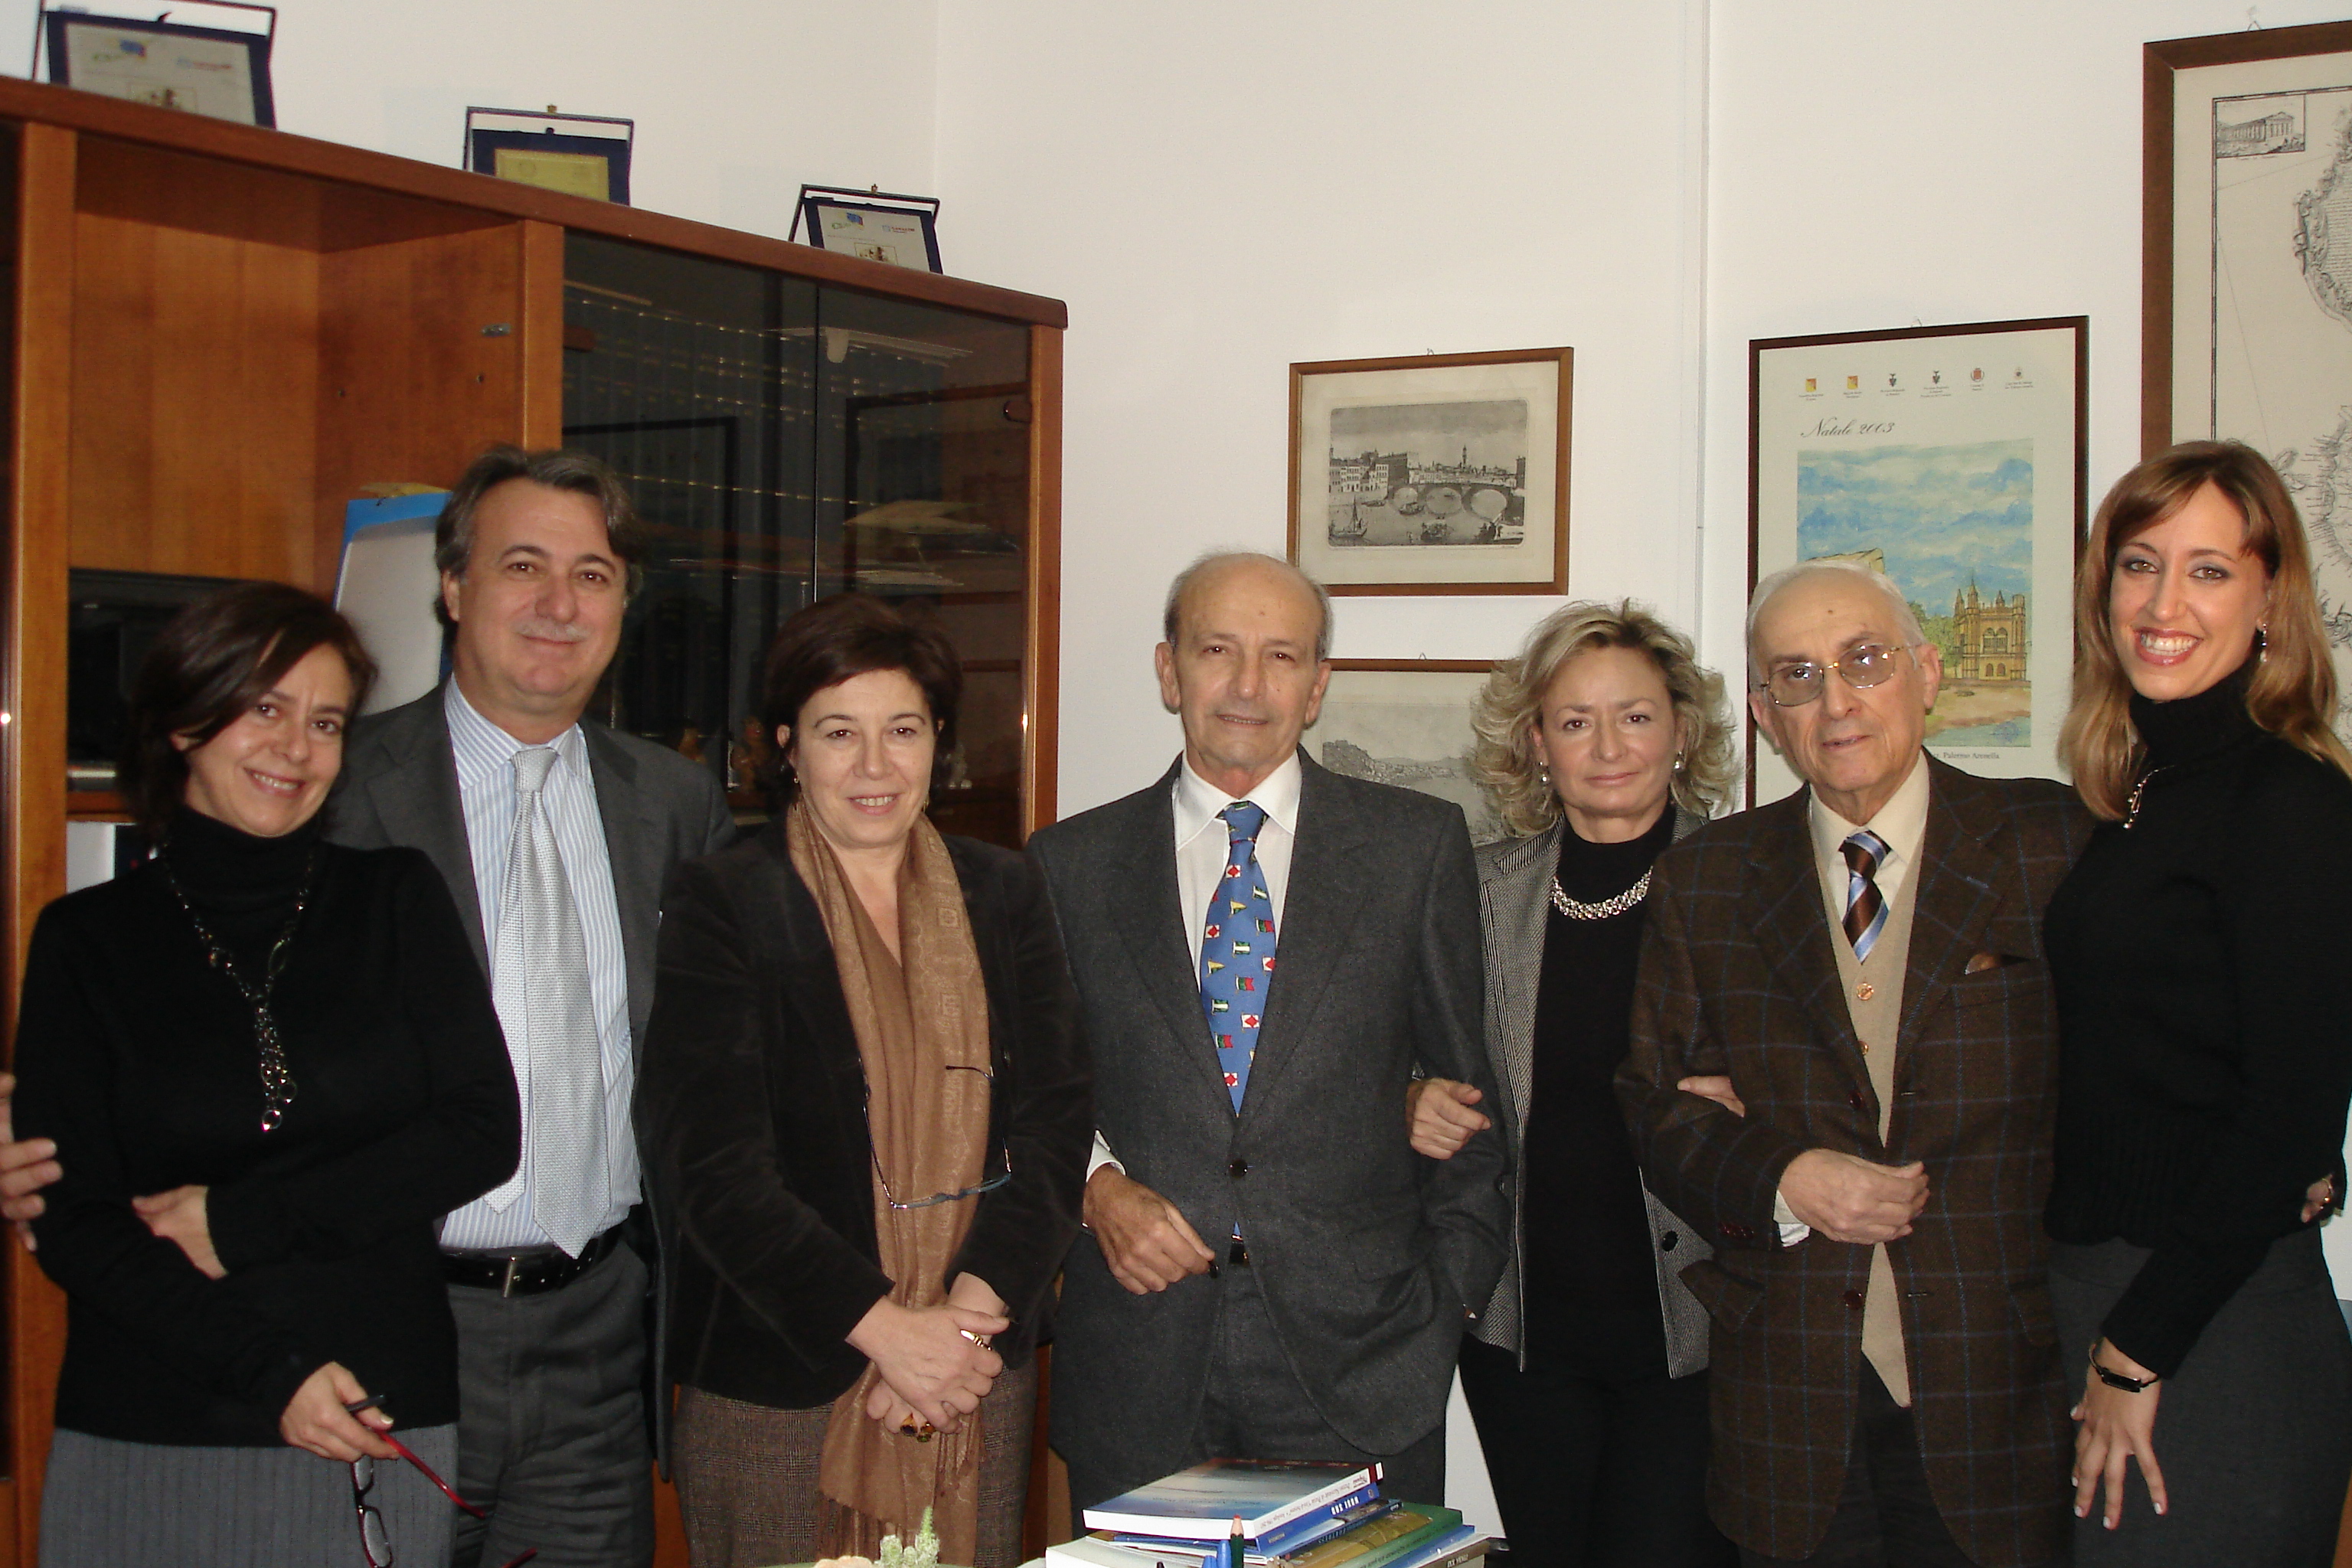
x,y
922,1020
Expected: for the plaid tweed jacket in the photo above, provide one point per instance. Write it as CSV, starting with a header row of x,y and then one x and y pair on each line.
x,y
1737,976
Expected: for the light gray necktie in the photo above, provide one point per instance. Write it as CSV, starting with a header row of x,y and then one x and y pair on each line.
x,y
538,975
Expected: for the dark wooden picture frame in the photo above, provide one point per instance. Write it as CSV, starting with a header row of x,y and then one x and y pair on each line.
x,y
1490,517
1842,409
2161,62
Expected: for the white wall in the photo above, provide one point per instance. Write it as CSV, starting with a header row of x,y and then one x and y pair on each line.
x,y
1224,188
737,101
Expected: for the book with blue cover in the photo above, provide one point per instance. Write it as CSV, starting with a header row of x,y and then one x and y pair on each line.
x,y
1201,1503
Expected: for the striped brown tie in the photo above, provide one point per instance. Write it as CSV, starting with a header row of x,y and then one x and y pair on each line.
x,y
1865,912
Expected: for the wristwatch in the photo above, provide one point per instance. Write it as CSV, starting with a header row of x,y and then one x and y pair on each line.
x,y
2114,1378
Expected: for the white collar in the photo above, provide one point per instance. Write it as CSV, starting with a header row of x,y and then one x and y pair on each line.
x,y
481,747
1197,801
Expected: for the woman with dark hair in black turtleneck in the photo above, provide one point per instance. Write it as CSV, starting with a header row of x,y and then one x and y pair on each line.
x,y
267,1063
2201,951
1600,744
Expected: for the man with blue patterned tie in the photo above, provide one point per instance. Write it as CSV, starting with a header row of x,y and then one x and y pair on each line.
x,y
1267,953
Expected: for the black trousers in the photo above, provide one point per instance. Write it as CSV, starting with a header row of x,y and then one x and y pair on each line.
x,y
1885,1516
1594,1472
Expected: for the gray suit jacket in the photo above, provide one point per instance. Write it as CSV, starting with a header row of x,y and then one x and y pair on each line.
x,y
400,786
1513,898
1370,1257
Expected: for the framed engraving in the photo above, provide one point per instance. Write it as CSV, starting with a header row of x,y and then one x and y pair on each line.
x,y
1432,474
1952,459
1406,722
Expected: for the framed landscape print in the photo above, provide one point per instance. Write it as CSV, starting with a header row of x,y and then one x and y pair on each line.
x,y
1432,474
2247,320
1406,722
1950,458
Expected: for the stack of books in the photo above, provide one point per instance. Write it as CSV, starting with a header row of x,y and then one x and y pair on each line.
x,y
1290,1514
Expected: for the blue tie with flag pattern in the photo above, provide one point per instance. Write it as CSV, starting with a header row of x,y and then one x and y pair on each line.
x,y
1237,950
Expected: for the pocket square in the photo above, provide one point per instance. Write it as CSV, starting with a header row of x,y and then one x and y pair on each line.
x,y
1980,962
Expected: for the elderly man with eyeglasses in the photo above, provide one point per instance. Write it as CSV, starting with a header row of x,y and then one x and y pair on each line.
x,y
1862,959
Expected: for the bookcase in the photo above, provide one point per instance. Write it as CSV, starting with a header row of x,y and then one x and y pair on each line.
x,y
214,334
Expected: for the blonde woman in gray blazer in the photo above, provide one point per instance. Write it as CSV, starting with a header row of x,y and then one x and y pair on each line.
x,y
1601,743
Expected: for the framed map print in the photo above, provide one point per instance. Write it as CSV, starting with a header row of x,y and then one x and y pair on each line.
x,y
1951,460
2247,270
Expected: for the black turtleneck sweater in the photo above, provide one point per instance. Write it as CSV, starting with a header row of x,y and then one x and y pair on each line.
x,y
2202,959
141,1060
1591,1286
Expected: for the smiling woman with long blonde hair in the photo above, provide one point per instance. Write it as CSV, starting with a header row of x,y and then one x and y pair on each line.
x,y
2199,951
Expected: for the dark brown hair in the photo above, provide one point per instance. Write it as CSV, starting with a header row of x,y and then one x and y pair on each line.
x,y
2293,693
558,470
851,635
207,668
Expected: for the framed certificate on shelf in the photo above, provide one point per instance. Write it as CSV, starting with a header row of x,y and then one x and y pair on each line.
x,y
579,154
213,72
898,231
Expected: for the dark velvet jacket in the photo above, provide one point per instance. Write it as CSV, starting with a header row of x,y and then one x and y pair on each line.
x,y
751,1117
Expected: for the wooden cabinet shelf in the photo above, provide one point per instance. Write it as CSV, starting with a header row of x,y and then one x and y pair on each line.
x,y
214,334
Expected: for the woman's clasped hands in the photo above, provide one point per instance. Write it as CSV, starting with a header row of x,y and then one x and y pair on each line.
x,y
936,1362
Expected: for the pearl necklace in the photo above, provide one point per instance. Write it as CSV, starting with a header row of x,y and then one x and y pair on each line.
x,y
1606,909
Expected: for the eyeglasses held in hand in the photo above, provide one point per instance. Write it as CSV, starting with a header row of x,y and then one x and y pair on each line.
x,y
1862,666
376,1540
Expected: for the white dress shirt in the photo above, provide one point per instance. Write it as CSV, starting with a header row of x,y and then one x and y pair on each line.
x,y
486,786
1902,824
1202,841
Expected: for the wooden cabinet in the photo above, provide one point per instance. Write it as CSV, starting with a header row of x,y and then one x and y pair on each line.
x,y
216,334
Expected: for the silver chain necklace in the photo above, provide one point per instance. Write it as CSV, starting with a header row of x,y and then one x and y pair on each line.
x,y
278,1088
1607,908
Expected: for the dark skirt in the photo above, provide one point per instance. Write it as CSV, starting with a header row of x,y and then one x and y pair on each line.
x,y
747,1476
2253,1435
111,1504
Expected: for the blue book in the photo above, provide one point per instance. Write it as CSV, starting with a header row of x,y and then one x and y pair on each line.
x,y
1201,1503
1358,1507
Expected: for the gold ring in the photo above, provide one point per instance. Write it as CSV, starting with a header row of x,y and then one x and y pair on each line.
x,y
983,1341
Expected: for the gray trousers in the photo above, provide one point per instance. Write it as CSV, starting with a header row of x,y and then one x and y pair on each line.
x,y
1257,1408
2253,1435
550,1424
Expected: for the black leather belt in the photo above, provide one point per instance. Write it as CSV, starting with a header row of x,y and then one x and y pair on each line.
x,y
534,1271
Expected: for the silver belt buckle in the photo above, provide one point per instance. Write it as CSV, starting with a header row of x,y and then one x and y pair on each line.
x,y
507,1285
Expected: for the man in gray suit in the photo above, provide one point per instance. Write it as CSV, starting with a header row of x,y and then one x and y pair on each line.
x,y
1263,1111
536,552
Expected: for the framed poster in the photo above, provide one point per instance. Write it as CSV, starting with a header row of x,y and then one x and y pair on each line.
x,y
2247,313
1432,474
213,72
1406,722
876,225
1952,459
579,154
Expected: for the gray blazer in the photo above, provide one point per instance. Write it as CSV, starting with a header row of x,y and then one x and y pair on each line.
x,y
400,786
1514,895
1370,1257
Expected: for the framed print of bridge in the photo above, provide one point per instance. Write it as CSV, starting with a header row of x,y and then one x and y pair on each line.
x,y
1432,473
1952,459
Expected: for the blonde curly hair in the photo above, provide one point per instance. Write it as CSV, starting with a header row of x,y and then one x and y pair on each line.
x,y
1503,761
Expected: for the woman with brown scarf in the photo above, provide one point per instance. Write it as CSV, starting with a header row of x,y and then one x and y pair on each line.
x,y
864,1109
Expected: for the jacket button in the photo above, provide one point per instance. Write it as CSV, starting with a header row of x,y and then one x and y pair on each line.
x,y
1237,1169
1666,1242
1856,1101
1852,1299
